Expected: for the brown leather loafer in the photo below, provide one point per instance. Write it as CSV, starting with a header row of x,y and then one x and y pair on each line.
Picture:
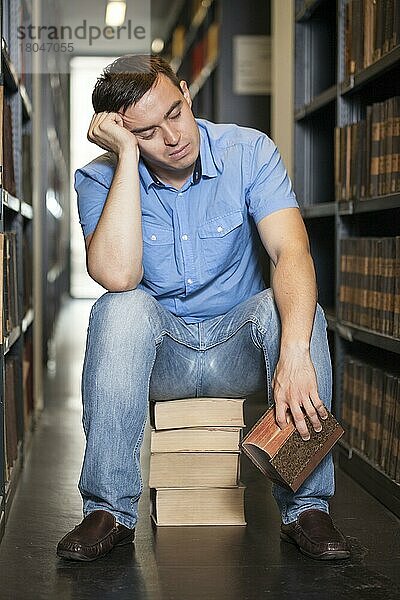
x,y
94,537
316,536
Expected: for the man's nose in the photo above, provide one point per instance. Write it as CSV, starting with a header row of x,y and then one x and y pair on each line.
x,y
171,136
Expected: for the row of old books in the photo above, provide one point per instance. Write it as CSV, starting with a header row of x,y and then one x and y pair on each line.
x,y
8,149
371,413
372,29
369,292
8,244
195,462
205,51
11,400
6,138
367,162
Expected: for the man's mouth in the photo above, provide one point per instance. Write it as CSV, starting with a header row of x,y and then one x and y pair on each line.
x,y
180,152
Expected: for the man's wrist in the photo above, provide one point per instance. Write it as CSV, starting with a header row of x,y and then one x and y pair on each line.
x,y
295,346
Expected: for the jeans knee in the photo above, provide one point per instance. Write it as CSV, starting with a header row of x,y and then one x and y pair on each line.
x,y
123,304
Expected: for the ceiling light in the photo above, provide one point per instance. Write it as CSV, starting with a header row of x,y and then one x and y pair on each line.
x,y
115,13
157,45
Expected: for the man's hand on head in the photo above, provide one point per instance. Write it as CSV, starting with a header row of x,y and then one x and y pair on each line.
x,y
295,393
107,130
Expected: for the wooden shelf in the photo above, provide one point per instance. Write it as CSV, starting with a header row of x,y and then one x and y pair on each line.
x,y
10,201
324,209
26,102
26,210
370,476
54,273
367,76
27,320
388,202
351,332
201,79
11,338
317,103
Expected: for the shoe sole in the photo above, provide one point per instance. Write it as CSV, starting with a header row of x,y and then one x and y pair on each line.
x,y
75,556
328,555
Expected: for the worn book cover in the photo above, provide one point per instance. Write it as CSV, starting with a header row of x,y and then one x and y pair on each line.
x,y
282,455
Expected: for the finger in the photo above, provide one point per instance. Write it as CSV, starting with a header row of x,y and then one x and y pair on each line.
x,y
280,414
319,405
312,414
300,421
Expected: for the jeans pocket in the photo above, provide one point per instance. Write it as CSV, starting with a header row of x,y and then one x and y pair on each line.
x,y
220,240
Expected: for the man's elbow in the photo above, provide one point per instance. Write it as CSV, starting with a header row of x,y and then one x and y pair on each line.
x,y
120,283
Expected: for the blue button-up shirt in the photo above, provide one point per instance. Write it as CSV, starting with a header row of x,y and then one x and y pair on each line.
x,y
200,243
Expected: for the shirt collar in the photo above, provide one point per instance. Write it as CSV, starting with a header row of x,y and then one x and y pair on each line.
x,y
205,165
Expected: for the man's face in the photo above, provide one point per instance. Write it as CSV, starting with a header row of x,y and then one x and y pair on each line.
x,y
165,128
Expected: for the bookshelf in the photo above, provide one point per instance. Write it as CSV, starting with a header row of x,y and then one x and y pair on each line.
x,y
30,227
347,58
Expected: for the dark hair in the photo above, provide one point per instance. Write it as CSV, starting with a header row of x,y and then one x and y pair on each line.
x,y
127,79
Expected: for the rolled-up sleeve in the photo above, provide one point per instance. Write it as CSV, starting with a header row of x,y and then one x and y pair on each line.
x,y
269,188
92,190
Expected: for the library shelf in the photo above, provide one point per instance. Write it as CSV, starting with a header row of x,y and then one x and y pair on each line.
x,y
306,10
26,103
350,332
379,203
201,79
55,272
322,209
26,210
370,476
27,320
11,201
326,97
338,100
368,75
11,338
191,35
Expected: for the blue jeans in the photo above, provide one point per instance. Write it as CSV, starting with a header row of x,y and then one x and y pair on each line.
x,y
137,349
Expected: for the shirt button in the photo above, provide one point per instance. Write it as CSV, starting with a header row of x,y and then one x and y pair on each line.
x,y
219,229
153,237
180,193
190,280
185,237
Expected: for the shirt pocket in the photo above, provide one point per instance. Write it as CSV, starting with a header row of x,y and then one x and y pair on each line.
x,y
220,241
158,252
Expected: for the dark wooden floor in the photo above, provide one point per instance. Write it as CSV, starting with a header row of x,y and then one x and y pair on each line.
x,y
210,563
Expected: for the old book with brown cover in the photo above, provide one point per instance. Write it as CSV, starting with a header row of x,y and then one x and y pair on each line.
x,y
282,455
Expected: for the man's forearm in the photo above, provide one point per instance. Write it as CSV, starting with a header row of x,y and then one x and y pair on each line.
x,y
115,251
295,292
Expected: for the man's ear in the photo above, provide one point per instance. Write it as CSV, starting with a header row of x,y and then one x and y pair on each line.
x,y
185,92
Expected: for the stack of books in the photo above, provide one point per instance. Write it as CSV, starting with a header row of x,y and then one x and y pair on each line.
x,y
194,462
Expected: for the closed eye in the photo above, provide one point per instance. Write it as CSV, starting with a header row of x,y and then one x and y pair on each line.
x,y
148,137
177,115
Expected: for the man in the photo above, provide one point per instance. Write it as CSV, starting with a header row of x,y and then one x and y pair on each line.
x,y
171,214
